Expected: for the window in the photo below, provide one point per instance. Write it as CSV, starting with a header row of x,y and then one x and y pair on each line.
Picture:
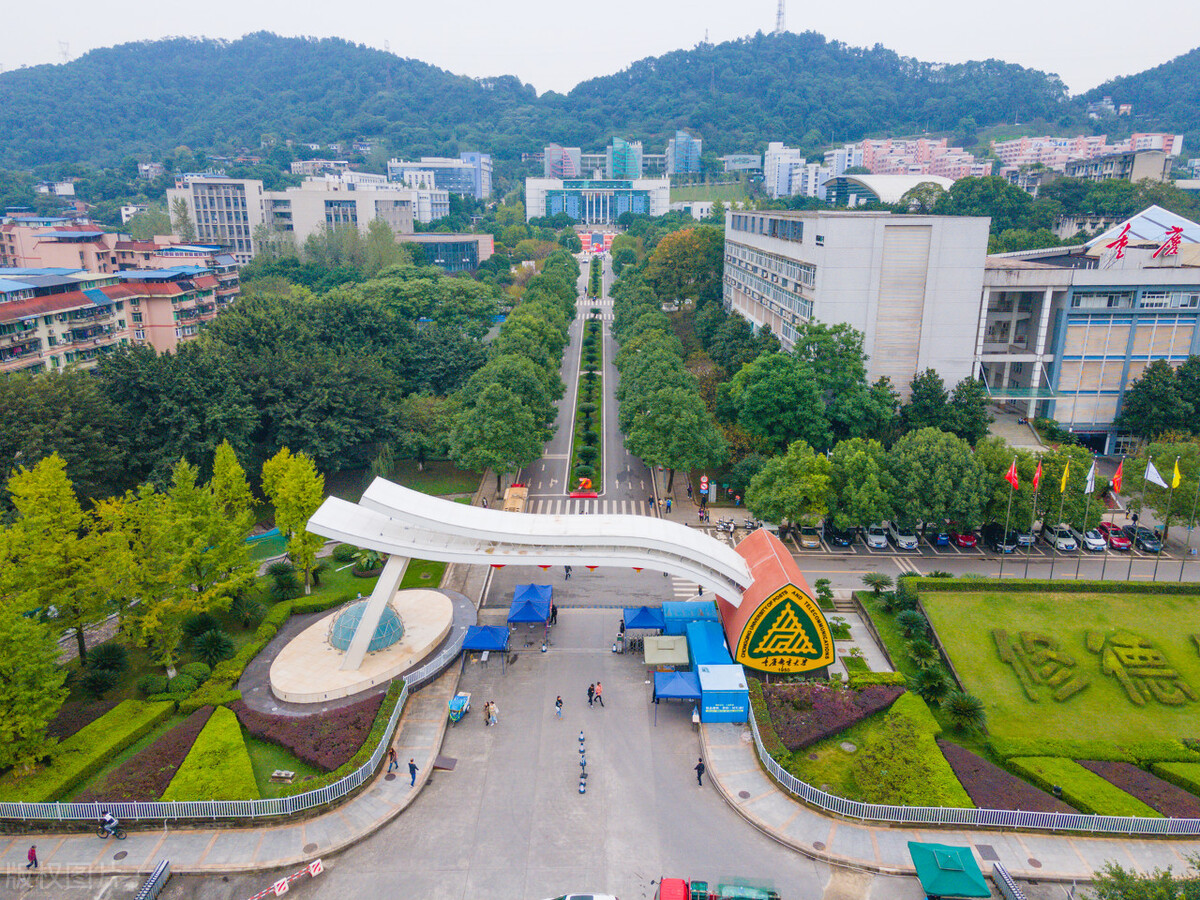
x,y
820,240
137,318
140,335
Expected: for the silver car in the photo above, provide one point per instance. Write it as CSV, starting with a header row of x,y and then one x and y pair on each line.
x,y
903,538
1091,539
876,537
1059,537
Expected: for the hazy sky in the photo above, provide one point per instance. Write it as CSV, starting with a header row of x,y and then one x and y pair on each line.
x,y
556,45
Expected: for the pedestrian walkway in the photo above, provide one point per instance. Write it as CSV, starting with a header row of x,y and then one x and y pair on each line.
x,y
733,767
418,736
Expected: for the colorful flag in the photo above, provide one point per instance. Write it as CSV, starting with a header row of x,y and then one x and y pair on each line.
x,y
1091,479
1037,476
1011,477
1118,477
1062,488
1152,475
1177,477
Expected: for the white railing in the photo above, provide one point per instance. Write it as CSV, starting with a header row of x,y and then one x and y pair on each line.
x,y
239,809
977,818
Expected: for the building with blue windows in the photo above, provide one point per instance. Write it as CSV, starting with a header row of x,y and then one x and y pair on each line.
x,y
683,154
623,159
596,202
469,176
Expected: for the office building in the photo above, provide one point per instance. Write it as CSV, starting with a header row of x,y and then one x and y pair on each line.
x,y
910,283
779,162
453,252
331,201
596,202
469,176
742,162
859,190
562,162
223,211
683,154
623,160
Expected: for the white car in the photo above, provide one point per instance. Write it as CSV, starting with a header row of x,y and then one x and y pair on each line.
x,y
1059,537
584,897
1091,539
903,538
876,537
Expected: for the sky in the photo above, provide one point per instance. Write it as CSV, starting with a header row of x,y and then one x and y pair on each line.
x,y
554,46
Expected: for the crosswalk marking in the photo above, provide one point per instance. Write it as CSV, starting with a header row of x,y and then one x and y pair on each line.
x,y
684,589
565,506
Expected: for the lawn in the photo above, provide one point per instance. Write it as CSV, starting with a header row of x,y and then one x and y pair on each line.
x,y
1055,686
422,573
702,192
266,758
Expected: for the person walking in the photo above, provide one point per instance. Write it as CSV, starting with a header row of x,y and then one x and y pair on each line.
x,y
566,573
554,608
591,694
558,707
650,501
600,693
495,713
393,762
487,713
668,506
484,502
32,857
412,773
700,770
689,492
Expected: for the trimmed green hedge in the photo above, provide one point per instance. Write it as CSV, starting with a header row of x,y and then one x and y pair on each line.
x,y
766,728
373,738
1138,752
1184,775
866,679
975,585
218,765
83,753
1081,788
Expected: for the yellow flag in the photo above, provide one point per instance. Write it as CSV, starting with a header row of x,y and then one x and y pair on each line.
x,y
1176,479
1066,473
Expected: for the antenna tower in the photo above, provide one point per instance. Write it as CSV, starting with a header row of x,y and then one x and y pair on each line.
x,y
779,18
65,49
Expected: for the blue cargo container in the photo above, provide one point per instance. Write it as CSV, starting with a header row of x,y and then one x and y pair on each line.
x,y
706,644
677,614
724,696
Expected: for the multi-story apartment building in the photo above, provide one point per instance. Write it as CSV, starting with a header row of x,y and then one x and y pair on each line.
x,y
742,162
1055,152
623,160
469,176
683,154
319,166
320,202
223,211
778,164
1130,165
596,202
922,156
910,283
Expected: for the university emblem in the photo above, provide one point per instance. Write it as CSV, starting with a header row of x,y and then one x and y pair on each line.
x,y
786,634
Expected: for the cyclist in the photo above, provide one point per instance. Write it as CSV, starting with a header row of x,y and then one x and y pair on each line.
x,y
109,822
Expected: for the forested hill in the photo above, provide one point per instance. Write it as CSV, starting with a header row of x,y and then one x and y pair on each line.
x,y
145,98
1163,98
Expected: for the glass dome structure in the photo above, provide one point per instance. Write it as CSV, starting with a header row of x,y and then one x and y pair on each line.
x,y
389,630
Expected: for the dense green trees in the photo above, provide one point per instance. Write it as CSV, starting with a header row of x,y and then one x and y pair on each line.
x,y
1162,399
793,487
936,478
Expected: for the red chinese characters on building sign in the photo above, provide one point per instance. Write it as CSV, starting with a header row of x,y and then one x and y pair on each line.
x,y
1170,247
1120,243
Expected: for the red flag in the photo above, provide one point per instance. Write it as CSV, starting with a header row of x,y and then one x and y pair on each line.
x,y
1037,476
1116,479
1011,477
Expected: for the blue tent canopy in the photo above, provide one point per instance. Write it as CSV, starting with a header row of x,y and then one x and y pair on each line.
x,y
644,617
486,637
706,641
533,592
676,686
529,611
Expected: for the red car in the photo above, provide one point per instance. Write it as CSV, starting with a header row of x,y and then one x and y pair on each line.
x,y
1112,534
964,539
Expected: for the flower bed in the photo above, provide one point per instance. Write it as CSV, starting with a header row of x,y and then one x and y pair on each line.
x,y
1154,792
326,740
76,715
1184,775
218,765
803,714
146,774
990,787
1085,790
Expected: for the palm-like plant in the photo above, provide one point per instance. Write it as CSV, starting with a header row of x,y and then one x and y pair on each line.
x,y
911,622
878,582
932,685
213,646
367,560
923,653
965,711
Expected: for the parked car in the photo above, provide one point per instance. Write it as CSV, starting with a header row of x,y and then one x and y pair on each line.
x,y
839,537
876,537
1143,538
904,537
1023,538
963,538
809,537
937,537
1091,539
995,538
1115,537
1059,537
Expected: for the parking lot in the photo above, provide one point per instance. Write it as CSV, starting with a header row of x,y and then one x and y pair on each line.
x,y
1039,550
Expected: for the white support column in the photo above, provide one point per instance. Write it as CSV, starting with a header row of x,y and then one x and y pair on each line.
x,y
385,587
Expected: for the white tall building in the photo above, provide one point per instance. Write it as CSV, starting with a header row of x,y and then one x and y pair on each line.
x,y
844,158
224,211
911,284
779,162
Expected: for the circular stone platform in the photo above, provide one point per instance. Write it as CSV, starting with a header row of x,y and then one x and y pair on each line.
x,y
308,669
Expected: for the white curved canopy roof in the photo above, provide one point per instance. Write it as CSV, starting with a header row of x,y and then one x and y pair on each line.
x,y
394,519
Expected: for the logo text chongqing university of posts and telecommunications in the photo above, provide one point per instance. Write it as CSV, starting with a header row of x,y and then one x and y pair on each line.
x,y
787,633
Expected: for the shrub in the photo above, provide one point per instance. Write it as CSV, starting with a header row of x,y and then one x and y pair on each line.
x,y
991,787
326,740
278,614
218,765
590,437
109,657
77,714
923,653
932,685
584,471
265,632
213,646
1137,750
878,582
865,679
319,604
85,751
587,454
965,711
811,711
246,610
1084,790
146,774
1156,793
1034,585
97,682
201,623
344,553
1185,775
183,684
152,684
839,630
912,623
197,670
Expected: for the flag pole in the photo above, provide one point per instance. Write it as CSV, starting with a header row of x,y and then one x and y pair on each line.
x,y
1062,499
1032,519
1000,577
1162,544
1191,525
1141,506
1087,507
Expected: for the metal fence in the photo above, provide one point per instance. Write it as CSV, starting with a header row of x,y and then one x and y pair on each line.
x,y
240,809
979,818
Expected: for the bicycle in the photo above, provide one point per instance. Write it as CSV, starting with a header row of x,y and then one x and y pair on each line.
x,y
118,832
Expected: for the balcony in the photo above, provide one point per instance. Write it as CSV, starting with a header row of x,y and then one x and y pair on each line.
x,y
20,351
18,335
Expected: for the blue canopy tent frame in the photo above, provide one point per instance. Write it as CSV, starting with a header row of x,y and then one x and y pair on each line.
x,y
531,604
675,686
643,618
489,638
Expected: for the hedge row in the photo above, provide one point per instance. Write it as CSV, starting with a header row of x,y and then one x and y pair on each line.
x,y
762,716
866,679
390,699
1185,775
1140,751
1084,790
85,752
218,765
146,774
978,585
1157,793
77,714
991,787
